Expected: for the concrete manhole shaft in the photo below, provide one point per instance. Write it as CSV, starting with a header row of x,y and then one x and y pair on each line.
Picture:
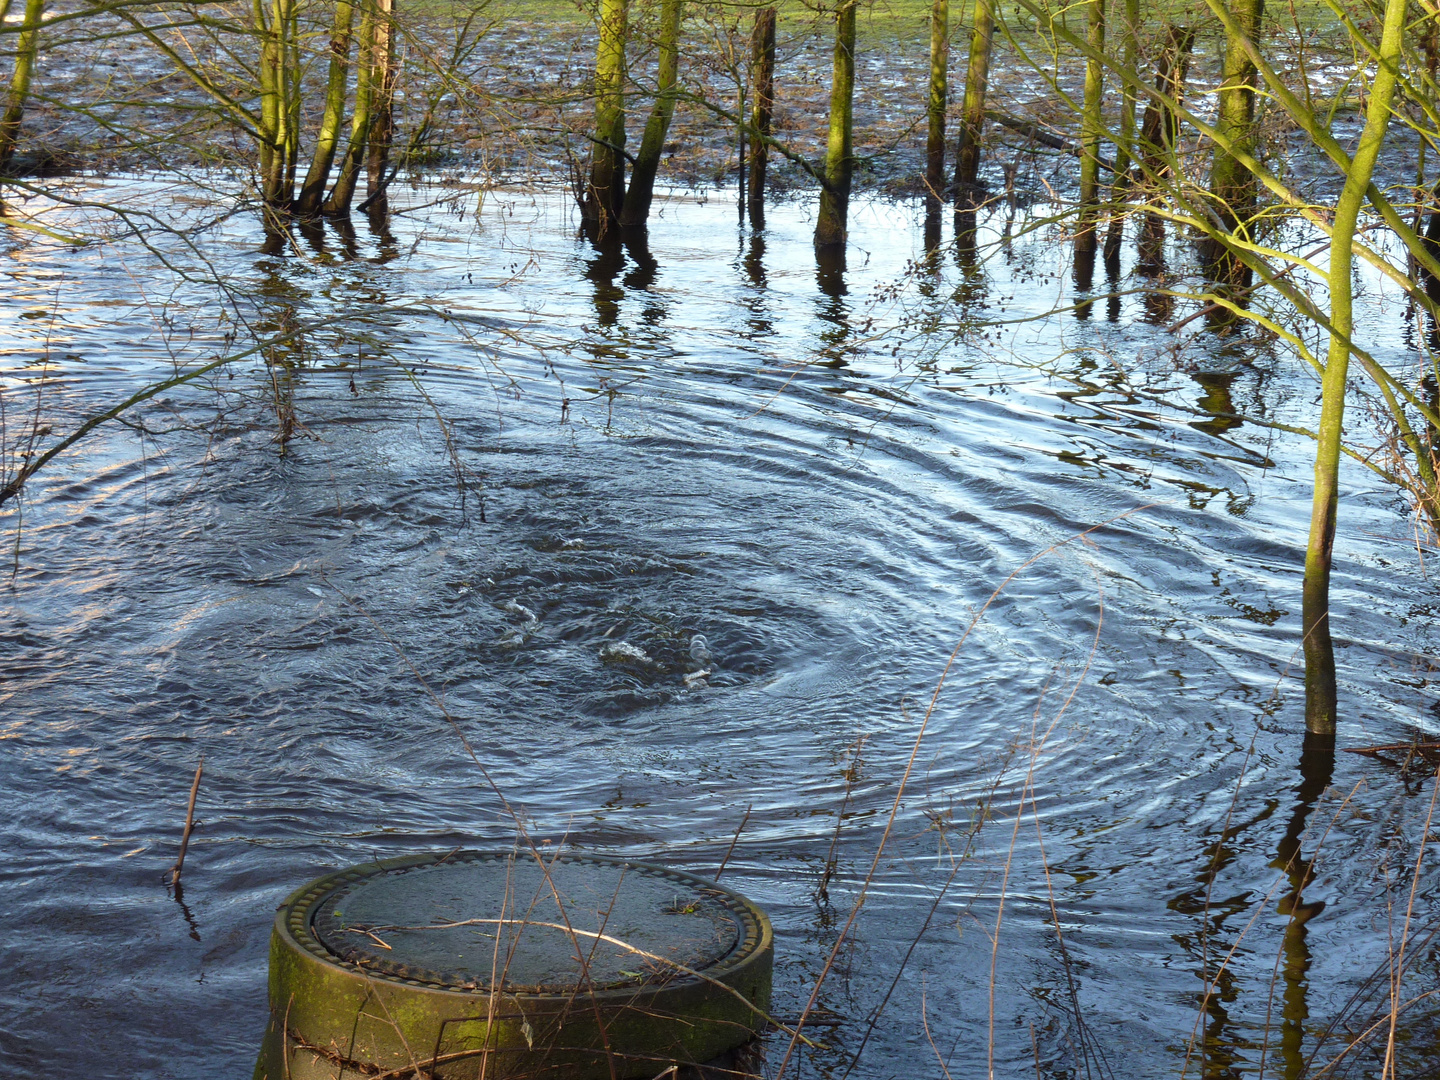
x,y
466,963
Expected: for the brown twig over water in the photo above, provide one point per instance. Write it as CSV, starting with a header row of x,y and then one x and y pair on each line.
x,y
733,841
189,826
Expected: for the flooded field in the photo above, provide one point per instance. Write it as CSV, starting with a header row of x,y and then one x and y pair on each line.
x,y
521,476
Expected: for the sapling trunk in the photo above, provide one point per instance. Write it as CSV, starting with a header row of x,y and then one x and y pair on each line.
x,y
293,74
830,225
26,48
1125,147
636,207
1092,126
382,108
604,195
740,170
972,107
279,127
1231,183
1321,705
1431,240
312,192
1154,150
343,193
938,98
1160,125
272,107
1431,236
762,112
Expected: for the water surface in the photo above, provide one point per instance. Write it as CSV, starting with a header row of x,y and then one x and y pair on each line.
x,y
513,523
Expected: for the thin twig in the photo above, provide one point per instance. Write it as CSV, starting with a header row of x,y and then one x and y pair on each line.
x,y
733,841
189,825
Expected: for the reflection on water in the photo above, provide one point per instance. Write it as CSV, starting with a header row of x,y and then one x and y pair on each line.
x,y
832,307
1317,767
824,469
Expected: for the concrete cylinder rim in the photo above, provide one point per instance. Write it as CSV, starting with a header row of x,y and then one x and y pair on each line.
x,y
748,950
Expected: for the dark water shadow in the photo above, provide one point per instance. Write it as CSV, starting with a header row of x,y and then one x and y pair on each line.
x,y
1111,259
931,228
1217,401
760,319
643,273
179,896
834,309
344,228
1222,1043
601,271
386,247
1317,768
971,289
1158,307
1082,274
312,231
276,241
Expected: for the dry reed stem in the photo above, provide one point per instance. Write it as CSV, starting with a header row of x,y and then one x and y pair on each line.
x,y
925,1022
1397,966
1027,788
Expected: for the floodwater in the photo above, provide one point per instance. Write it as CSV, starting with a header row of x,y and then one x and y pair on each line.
x,y
523,475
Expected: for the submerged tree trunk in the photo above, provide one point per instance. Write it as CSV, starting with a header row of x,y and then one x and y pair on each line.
x,y
762,113
938,100
604,195
1321,705
647,161
830,226
344,191
26,48
972,108
312,192
1231,183
1092,127
382,109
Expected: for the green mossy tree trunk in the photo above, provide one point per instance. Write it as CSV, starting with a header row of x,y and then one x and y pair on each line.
x,y
294,74
27,46
762,110
276,27
937,100
830,225
341,196
637,200
312,192
1231,183
1125,147
1321,704
1092,125
604,196
972,107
